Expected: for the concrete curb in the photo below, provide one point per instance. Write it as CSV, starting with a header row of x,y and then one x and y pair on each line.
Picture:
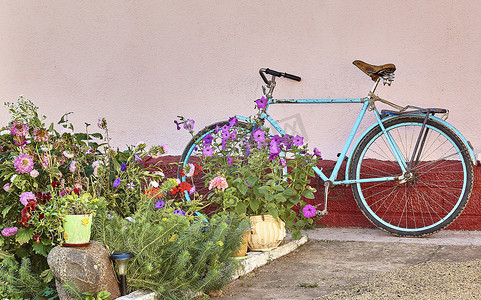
x,y
258,259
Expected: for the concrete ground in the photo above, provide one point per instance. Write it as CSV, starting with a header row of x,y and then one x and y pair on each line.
x,y
340,258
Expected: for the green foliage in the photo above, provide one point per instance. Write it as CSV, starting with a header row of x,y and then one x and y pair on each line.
x,y
73,291
173,255
18,281
252,172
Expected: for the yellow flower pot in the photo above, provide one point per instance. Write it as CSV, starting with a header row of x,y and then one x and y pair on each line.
x,y
267,232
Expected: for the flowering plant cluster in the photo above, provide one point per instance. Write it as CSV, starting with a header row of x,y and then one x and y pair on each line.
x,y
248,170
48,172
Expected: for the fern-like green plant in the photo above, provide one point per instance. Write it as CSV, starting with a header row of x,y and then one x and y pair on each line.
x,y
173,256
18,281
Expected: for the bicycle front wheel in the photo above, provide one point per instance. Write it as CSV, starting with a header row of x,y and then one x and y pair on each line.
x,y
193,155
432,193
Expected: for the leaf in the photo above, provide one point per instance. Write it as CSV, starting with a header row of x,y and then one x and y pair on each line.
x,y
308,194
278,188
242,187
296,234
280,198
290,192
24,235
6,209
257,192
47,275
272,209
252,180
241,208
40,249
254,204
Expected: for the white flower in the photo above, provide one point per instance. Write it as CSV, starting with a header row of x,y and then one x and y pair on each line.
x,y
34,173
130,219
72,166
67,155
191,170
159,173
154,183
13,177
97,163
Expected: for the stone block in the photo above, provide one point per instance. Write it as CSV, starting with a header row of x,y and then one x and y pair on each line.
x,y
88,268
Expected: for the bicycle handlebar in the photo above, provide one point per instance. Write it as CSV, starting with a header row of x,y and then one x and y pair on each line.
x,y
277,74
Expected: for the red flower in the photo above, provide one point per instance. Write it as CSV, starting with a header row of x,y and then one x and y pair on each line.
x,y
153,193
26,212
36,238
181,188
55,184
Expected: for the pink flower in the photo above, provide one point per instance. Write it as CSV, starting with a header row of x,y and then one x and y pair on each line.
x,y
207,151
41,135
219,183
298,140
6,187
258,135
23,163
309,211
34,173
261,103
9,231
19,129
72,166
25,196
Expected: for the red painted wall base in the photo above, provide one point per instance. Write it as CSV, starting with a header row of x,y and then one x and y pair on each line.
x,y
344,212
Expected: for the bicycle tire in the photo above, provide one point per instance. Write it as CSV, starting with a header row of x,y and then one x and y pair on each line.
x,y
189,156
436,193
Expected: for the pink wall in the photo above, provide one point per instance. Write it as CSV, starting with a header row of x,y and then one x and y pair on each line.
x,y
141,63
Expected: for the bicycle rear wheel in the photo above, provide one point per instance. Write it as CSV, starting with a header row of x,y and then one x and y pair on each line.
x,y
436,189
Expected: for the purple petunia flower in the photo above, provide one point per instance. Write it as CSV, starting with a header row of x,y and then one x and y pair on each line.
x,y
276,139
159,204
9,231
298,140
233,134
137,158
233,121
309,211
208,139
117,182
123,167
229,160
317,153
283,162
275,150
287,141
225,134
189,124
258,135
216,128
261,103
207,151
179,212
192,190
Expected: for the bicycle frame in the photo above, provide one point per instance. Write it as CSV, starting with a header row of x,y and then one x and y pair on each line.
x,y
367,104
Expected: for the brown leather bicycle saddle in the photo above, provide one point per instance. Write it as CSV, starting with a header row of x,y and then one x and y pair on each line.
x,y
375,71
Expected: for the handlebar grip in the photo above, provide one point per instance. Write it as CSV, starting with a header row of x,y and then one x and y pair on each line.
x,y
293,77
286,75
272,72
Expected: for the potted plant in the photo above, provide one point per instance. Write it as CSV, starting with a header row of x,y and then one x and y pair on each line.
x,y
253,173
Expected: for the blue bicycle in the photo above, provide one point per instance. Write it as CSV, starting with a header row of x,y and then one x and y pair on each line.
x,y
411,172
